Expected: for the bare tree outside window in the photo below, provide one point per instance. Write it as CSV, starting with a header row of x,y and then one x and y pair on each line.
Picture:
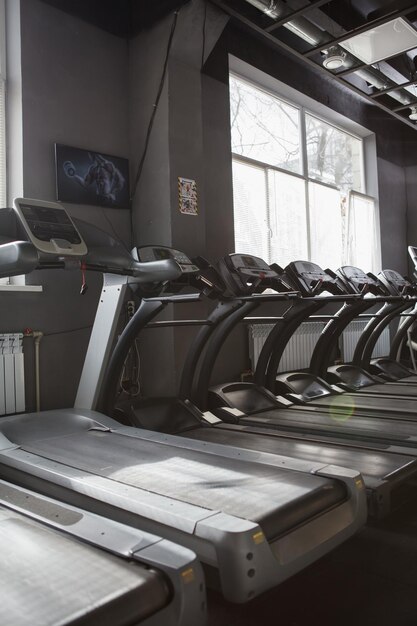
x,y
264,128
333,156
282,212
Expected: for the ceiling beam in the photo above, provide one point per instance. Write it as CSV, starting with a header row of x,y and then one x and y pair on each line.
x,y
298,13
381,92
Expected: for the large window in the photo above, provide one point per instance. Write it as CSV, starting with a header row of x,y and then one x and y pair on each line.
x,y
299,184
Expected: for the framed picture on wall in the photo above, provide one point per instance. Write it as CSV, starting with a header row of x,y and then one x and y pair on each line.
x,y
88,177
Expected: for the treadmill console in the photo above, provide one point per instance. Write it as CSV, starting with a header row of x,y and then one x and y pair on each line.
x,y
248,265
412,251
145,254
49,227
356,281
245,274
311,279
396,284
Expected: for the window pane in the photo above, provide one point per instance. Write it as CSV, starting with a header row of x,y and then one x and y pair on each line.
x,y
250,210
287,204
362,234
264,128
333,156
325,226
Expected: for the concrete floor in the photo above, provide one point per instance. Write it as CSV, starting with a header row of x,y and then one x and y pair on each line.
x,y
371,580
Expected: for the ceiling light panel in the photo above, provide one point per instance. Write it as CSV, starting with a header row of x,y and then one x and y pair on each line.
x,y
382,42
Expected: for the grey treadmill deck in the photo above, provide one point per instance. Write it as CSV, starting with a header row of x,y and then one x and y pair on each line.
x,y
49,579
402,433
404,391
275,498
390,408
373,465
412,379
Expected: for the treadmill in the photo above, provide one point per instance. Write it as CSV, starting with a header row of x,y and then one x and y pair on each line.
x,y
388,478
390,368
63,566
358,374
253,519
253,405
311,387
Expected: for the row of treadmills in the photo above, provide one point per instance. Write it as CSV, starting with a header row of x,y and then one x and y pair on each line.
x,y
120,509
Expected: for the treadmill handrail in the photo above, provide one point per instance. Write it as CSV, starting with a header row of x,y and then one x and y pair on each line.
x,y
152,272
17,257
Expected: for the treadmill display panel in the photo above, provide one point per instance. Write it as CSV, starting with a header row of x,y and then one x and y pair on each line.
x,y
50,228
162,253
395,278
146,254
310,273
46,223
358,279
396,284
412,251
249,262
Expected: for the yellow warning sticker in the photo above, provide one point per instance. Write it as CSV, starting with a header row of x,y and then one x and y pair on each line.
x,y
258,537
188,575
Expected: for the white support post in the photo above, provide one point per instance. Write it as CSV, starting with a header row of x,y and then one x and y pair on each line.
x,y
101,341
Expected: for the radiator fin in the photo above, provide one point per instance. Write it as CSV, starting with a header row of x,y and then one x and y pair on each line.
x,y
12,375
298,352
350,338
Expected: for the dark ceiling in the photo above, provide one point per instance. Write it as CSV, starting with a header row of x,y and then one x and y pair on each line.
x,y
124,18
316,32
310,29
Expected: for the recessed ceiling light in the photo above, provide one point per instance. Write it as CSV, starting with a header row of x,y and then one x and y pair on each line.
x,y
334,59
382,42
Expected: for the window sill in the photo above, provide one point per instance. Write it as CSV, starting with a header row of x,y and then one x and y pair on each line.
x,y
25,288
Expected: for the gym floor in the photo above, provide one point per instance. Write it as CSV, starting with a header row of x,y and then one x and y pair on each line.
x,y
370,580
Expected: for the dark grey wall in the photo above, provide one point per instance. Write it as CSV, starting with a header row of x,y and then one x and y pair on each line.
x,y
176,148
74,91
411,181
393,215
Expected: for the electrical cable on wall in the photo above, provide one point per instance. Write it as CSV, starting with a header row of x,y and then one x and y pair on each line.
x,y
154,111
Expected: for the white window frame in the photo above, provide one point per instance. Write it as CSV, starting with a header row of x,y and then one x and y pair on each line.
x,y
275,88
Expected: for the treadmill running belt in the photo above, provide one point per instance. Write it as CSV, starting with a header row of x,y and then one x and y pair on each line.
x,y
372,464
312,419
275,498
396,389
47,578
357,401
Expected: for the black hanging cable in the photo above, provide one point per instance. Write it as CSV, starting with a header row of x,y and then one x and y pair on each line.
x,y
116,235
155,108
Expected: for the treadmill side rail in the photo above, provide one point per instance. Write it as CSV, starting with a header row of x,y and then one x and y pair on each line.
x,y
179,564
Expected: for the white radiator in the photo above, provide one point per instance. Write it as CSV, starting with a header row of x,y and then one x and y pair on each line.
x,y
350,338
299,349
12,376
